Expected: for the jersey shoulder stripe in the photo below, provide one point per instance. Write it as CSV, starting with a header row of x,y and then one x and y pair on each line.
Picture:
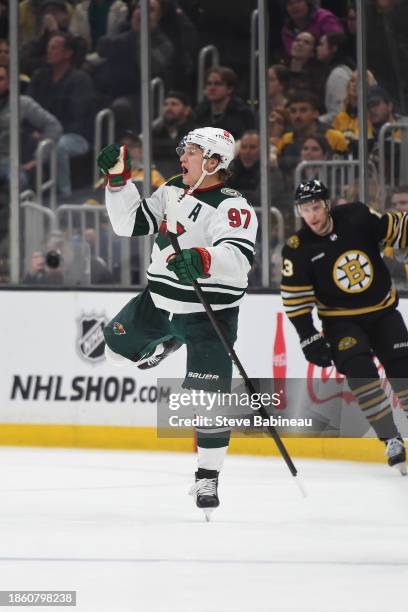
x,y
231,238
216,197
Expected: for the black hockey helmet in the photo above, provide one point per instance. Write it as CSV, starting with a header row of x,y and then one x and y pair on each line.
x,y
310,191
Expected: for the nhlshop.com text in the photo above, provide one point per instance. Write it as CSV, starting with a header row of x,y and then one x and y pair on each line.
x,y
57,388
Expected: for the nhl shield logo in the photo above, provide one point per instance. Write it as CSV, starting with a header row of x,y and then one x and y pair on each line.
x,y
90,341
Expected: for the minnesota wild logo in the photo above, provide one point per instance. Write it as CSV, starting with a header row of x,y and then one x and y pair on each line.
x,y
118,329
163,240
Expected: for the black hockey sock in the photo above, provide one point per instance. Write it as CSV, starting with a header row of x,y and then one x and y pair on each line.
x,y
363,380
375,406
397,373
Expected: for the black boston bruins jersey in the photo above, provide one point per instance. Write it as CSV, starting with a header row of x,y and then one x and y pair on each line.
x,y
343,273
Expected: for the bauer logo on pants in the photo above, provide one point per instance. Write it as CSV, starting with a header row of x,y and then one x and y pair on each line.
x,y
90,341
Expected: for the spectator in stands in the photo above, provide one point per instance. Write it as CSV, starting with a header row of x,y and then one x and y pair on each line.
x,y
4,19
100,273
119,76
67,93
399,198
183,34
4,52
381,111
5,60
305,16
278,81
135,149
305,72
314,148
331,52
278,124
34,118
346,120
303,115
54,17
351,31
174,123
93,19
38,272
398,269
31,16
387,49
222,107
246,167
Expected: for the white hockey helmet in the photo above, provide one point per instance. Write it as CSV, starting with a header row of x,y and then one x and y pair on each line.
x,y
213,141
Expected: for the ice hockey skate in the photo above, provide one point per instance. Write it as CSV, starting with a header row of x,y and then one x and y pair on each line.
x,y
205,490
395,451
162,350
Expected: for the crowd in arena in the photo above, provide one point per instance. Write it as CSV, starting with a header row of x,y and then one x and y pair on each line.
x,y
78,57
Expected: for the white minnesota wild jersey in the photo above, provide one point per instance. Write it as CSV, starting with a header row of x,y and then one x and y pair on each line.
x,y
218,219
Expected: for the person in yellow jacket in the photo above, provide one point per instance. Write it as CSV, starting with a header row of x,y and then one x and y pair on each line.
x,y
397,265
346,120
134,146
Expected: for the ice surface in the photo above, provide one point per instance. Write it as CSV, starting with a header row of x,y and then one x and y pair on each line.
x,y
120,529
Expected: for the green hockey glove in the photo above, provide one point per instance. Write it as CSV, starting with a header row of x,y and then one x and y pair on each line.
x,y
190,264
114,162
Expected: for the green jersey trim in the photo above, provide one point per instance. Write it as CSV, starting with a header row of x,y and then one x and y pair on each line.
x,y
141,226
177,283
181,295
249,255
243,240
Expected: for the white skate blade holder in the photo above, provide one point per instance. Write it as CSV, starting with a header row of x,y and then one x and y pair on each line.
x,y
401,467
207,514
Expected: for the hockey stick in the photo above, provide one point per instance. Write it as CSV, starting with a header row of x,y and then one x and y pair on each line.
x,y
172,232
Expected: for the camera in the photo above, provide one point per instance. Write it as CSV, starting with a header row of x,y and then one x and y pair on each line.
x,y
53,259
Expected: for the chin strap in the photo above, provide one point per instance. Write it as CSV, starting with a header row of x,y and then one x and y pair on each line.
x,y
198,183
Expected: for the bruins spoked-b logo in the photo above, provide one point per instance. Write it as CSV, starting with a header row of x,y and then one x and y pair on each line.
x,y
353,272
347,343
90,341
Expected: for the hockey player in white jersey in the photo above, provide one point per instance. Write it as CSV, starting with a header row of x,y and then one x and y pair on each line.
x,y
216,229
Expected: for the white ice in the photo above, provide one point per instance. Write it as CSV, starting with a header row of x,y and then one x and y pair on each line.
x,y
120,529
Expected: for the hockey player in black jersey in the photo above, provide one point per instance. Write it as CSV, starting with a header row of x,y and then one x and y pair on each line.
x,y
334,263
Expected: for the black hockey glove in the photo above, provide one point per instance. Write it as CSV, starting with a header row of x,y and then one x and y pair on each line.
x,y
316,350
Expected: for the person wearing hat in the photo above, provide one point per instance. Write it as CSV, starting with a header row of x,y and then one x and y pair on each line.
x,y
54,17
334,263
380,108
305,16
175,121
